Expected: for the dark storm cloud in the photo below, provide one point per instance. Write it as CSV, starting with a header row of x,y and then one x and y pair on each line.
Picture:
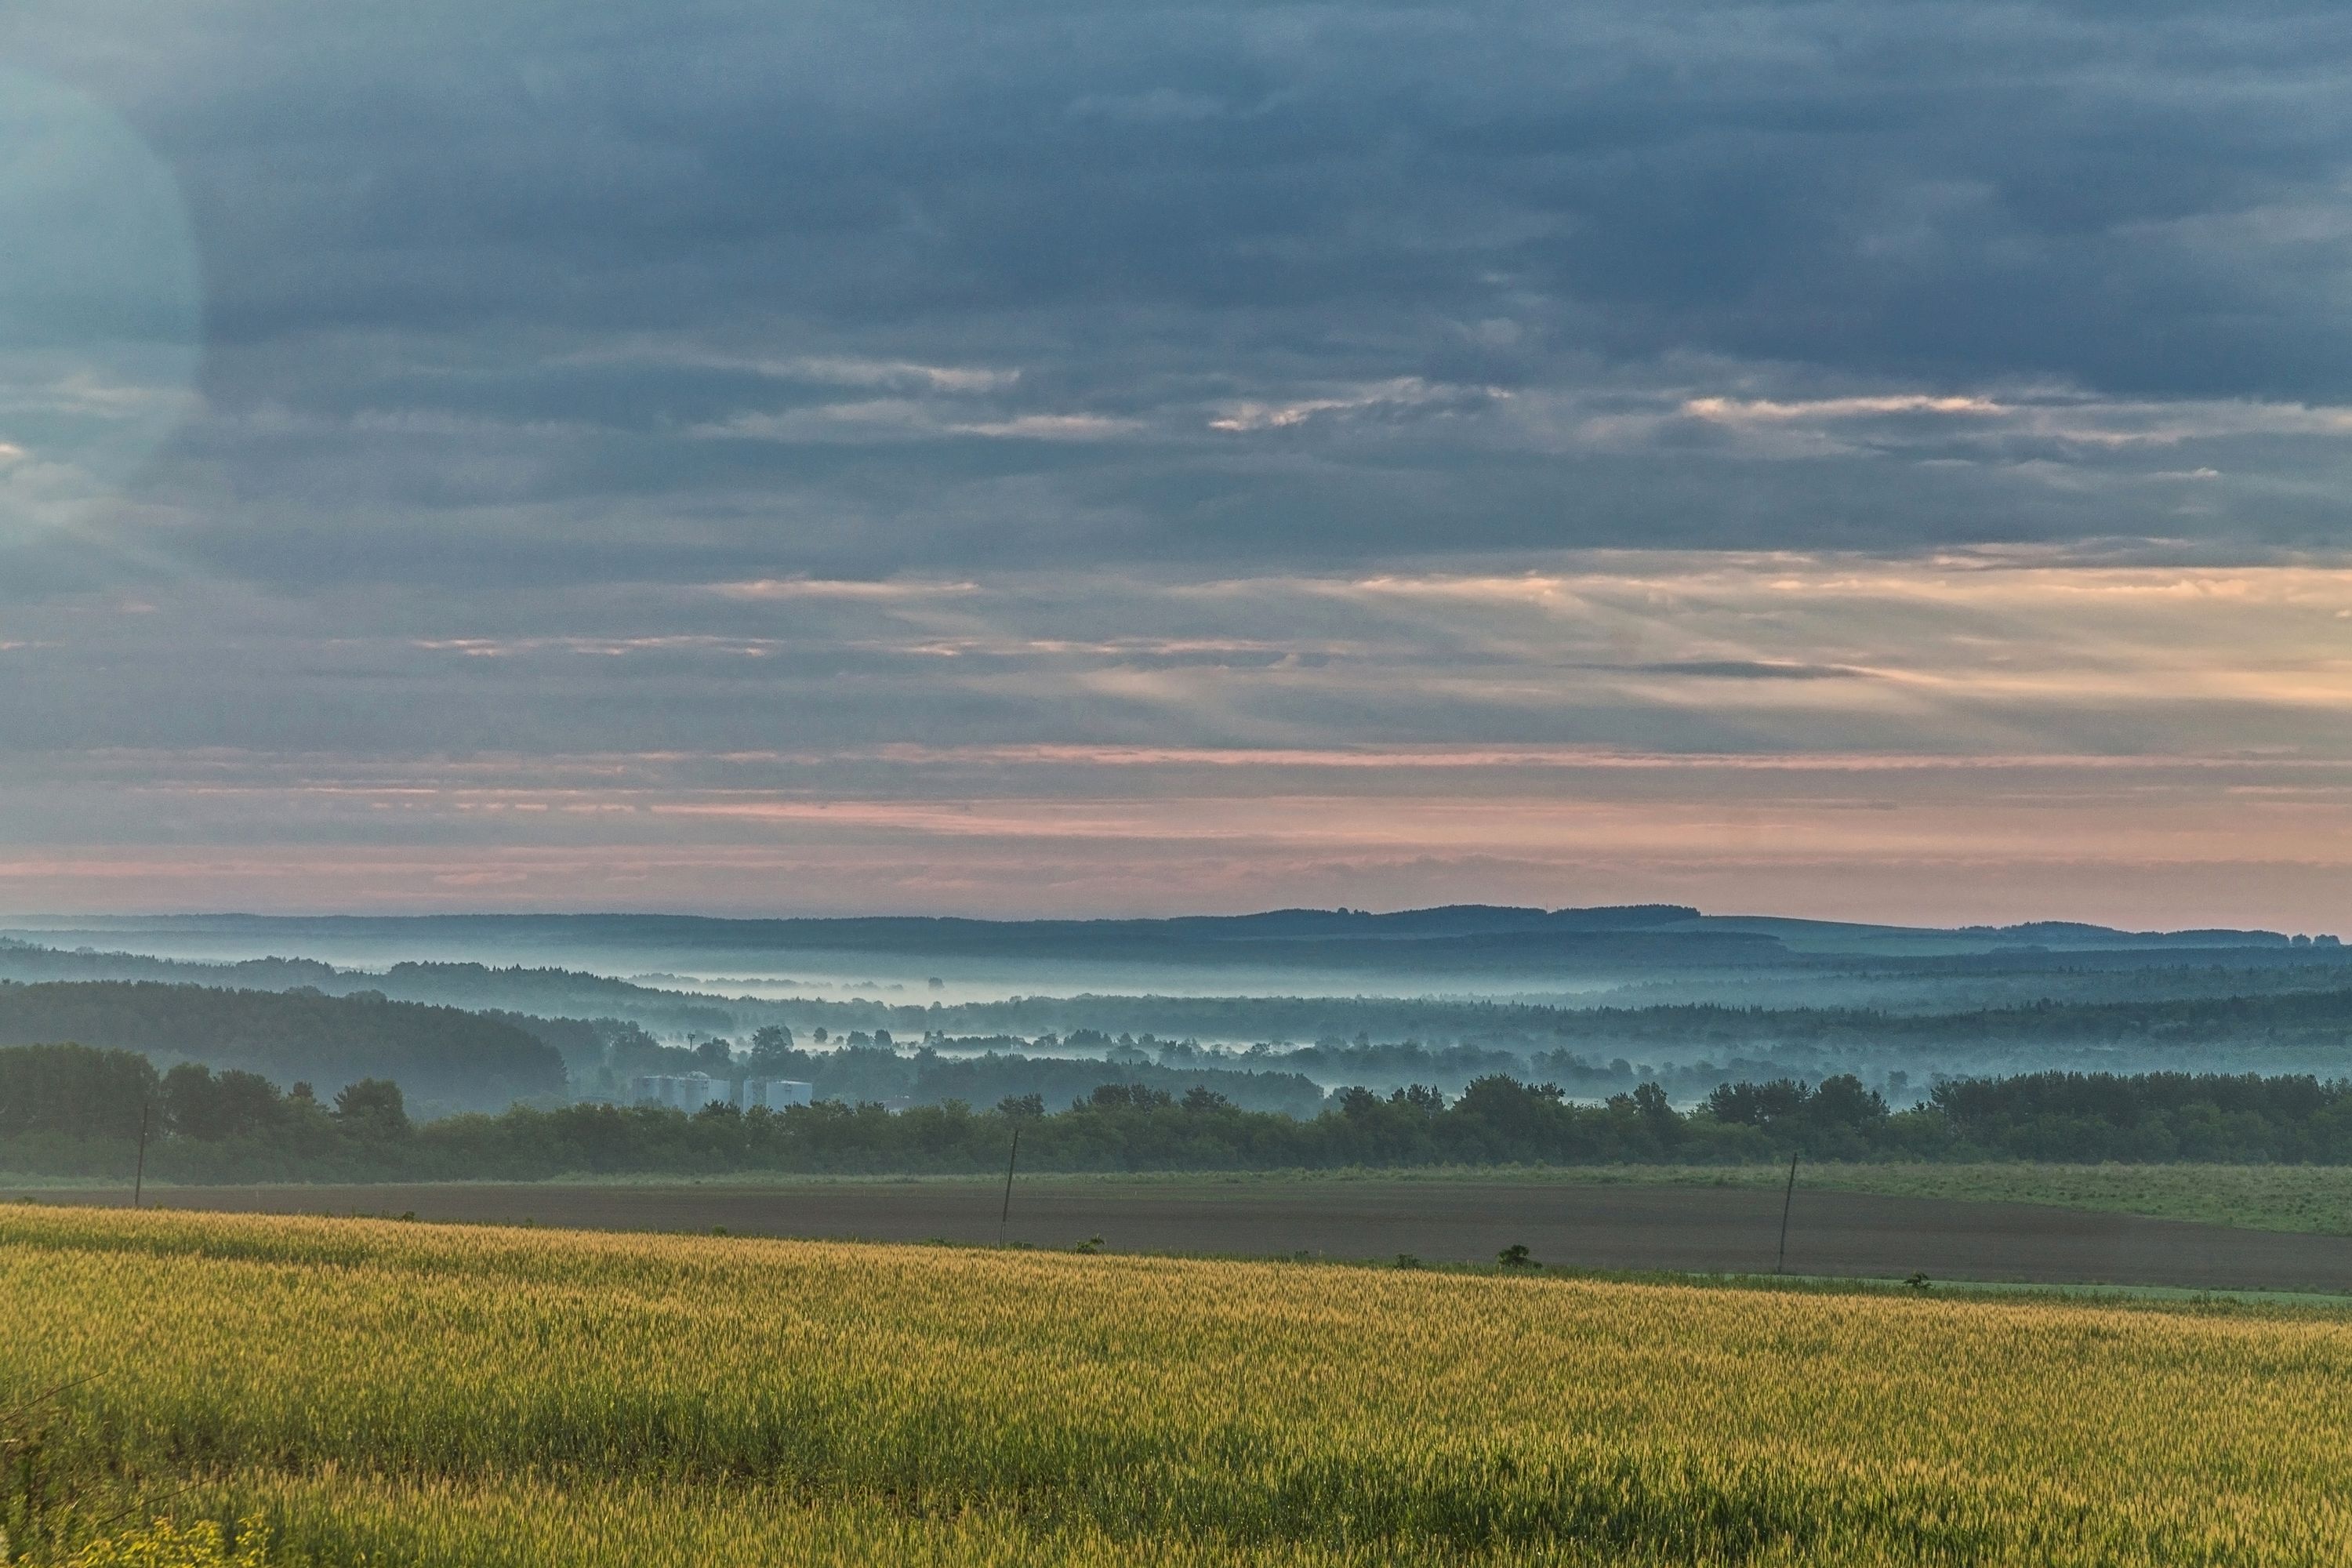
x,y
624,291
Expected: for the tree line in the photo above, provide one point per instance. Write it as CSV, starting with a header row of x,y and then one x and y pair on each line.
x,y
72,1109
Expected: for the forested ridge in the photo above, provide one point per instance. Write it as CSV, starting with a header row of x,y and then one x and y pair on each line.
x,y
438,1053
2288,1019
2324,1016
465,984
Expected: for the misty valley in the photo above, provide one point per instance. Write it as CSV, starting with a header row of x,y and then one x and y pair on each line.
x,y
1520,1036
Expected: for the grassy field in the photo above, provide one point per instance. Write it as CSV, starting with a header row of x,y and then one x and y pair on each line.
x,y
2309,1198
2317,1199
370,1391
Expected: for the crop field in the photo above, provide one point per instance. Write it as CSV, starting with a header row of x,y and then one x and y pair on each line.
x,y
2312,1199
390,1393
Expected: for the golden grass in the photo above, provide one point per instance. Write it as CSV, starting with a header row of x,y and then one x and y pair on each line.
x,y
404,1393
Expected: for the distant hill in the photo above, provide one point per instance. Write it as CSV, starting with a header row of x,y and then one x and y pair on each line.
x,y
566,965
439,1055
1470,938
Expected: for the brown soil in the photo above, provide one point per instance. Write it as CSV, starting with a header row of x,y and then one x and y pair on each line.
x,y
1700,1229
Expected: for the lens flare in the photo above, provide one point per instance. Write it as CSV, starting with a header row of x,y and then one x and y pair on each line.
x,y
100,307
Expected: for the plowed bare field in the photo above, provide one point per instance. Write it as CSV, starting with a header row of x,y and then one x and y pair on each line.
x,y
1703,1229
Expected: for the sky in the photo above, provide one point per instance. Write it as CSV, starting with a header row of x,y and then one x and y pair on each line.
x,y
1855,461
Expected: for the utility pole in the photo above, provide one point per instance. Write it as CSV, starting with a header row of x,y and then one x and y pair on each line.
x,y
1010,1162
1787,1198
139,1180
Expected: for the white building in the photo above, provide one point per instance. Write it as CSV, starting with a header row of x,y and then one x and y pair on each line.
x,y
776,1093
691,1092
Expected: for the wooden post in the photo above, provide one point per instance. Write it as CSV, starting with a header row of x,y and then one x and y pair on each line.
x,y
1010,1161
1787,1198
139,1182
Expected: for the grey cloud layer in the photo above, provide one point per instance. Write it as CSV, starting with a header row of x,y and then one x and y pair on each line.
x,y
625,291
844,456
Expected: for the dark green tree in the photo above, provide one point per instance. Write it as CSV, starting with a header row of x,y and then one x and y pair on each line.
x,y
372,1108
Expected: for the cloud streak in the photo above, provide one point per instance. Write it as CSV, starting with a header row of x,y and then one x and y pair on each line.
x,y
1773,731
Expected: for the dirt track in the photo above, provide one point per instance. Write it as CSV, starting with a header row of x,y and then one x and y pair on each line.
x,y
1704,1229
